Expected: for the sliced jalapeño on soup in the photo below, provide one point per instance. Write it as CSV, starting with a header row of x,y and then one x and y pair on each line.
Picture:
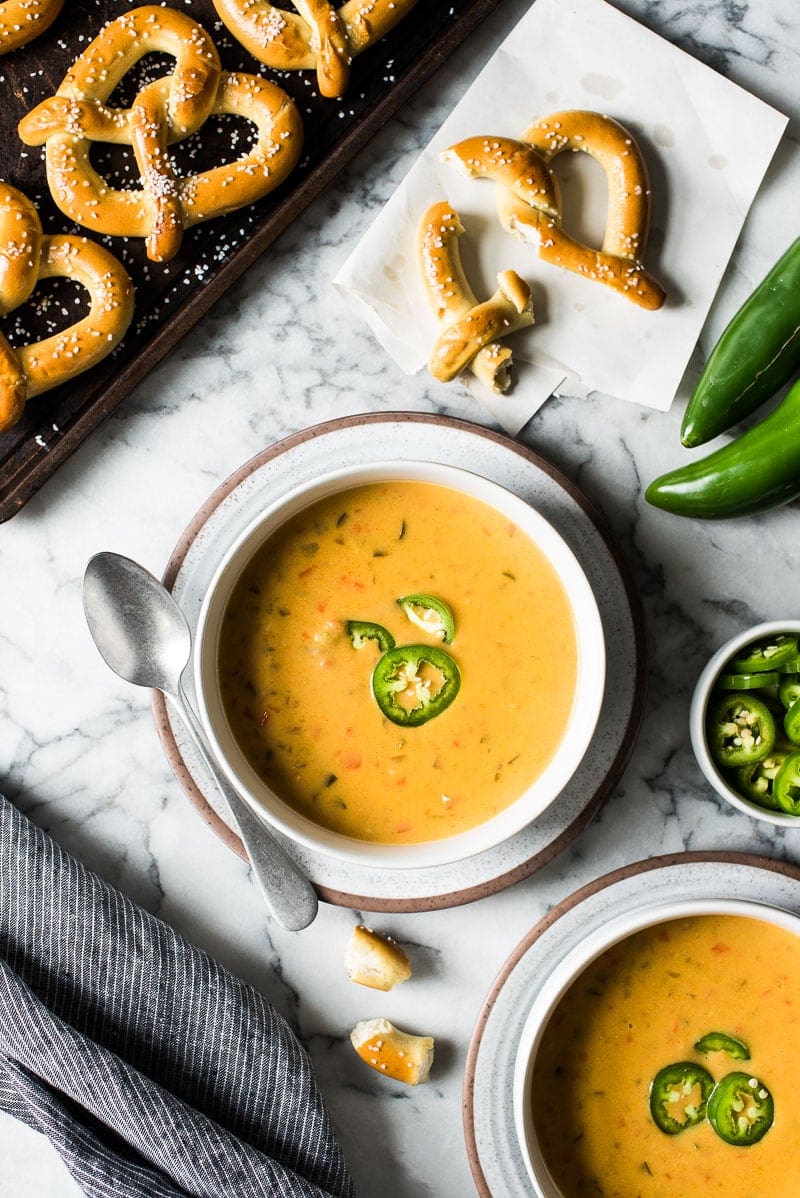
x,y
740,1109
679,1094
414,683
363,631
430,615
722,1042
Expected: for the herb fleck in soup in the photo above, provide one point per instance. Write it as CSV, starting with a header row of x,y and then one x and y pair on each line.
x,y
297,687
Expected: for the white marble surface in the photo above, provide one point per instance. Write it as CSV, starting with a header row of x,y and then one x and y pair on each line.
x,y
78,751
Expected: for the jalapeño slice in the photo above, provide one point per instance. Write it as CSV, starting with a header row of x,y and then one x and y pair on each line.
x,y
740,730
678,1096
768,654
791,722
757,783
741,1109
430,615
722,1042
748,682
414,683
786,787
361,631
789,689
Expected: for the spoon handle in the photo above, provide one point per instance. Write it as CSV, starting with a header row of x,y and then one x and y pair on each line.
x,y
289,895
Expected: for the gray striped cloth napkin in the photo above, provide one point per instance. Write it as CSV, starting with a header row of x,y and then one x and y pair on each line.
x,y
153,1071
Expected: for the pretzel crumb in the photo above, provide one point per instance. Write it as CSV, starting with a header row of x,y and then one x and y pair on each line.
x,y
374,960
404,1057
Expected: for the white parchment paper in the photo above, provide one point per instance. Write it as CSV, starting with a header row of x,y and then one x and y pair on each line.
x,y
706,143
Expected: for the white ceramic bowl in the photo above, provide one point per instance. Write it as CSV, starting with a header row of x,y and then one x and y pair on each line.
x,y
569,969
580,727
697,719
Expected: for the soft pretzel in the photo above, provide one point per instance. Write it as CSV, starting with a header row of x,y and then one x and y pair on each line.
x,y
318,37
374,960
396,1054
23,20
163,113
470,329
531,210
26,257
512,164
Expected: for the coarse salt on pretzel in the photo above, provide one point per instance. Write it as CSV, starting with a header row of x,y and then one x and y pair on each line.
x,y
513,165
163,112
470,329
537,220
450,293
397,1054
26,257
318,37
23,20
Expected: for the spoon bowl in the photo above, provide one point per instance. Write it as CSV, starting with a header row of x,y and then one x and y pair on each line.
x,y
142,634
135,623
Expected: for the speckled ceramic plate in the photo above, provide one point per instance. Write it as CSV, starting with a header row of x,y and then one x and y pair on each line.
x,y
494,1155
385,437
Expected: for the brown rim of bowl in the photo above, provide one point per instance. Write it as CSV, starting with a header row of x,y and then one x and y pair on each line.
x,y
470,893
754,860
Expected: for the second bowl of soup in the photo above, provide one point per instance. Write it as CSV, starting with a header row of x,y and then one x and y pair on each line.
x,y
400,664
661,1058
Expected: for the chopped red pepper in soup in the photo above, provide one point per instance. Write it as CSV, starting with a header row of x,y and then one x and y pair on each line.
x,y
299,640
638,1089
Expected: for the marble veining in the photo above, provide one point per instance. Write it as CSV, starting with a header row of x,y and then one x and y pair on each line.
x,y
77,746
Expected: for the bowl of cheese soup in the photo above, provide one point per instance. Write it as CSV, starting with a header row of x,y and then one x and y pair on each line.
x,y
400,664
661,1057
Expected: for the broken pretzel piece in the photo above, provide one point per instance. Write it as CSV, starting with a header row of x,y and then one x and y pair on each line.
x,y
471,330
375,961
397,1054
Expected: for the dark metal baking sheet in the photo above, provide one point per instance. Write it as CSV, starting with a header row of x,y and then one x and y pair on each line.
x,y
172,297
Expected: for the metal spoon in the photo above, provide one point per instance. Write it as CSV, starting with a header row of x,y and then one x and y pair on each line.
x,y
143,635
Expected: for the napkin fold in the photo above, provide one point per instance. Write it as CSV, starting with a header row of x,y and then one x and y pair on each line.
x,y
153,1070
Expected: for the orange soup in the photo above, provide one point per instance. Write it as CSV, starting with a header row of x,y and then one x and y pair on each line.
x,y
299,696
667,1060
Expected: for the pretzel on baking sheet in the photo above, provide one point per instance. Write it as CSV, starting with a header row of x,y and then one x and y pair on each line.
x,y
531,210
318,37
23,20
26,257
164,112
470,330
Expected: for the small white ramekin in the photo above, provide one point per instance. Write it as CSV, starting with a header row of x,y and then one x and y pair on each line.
x,y
567,972
580,727
699,707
